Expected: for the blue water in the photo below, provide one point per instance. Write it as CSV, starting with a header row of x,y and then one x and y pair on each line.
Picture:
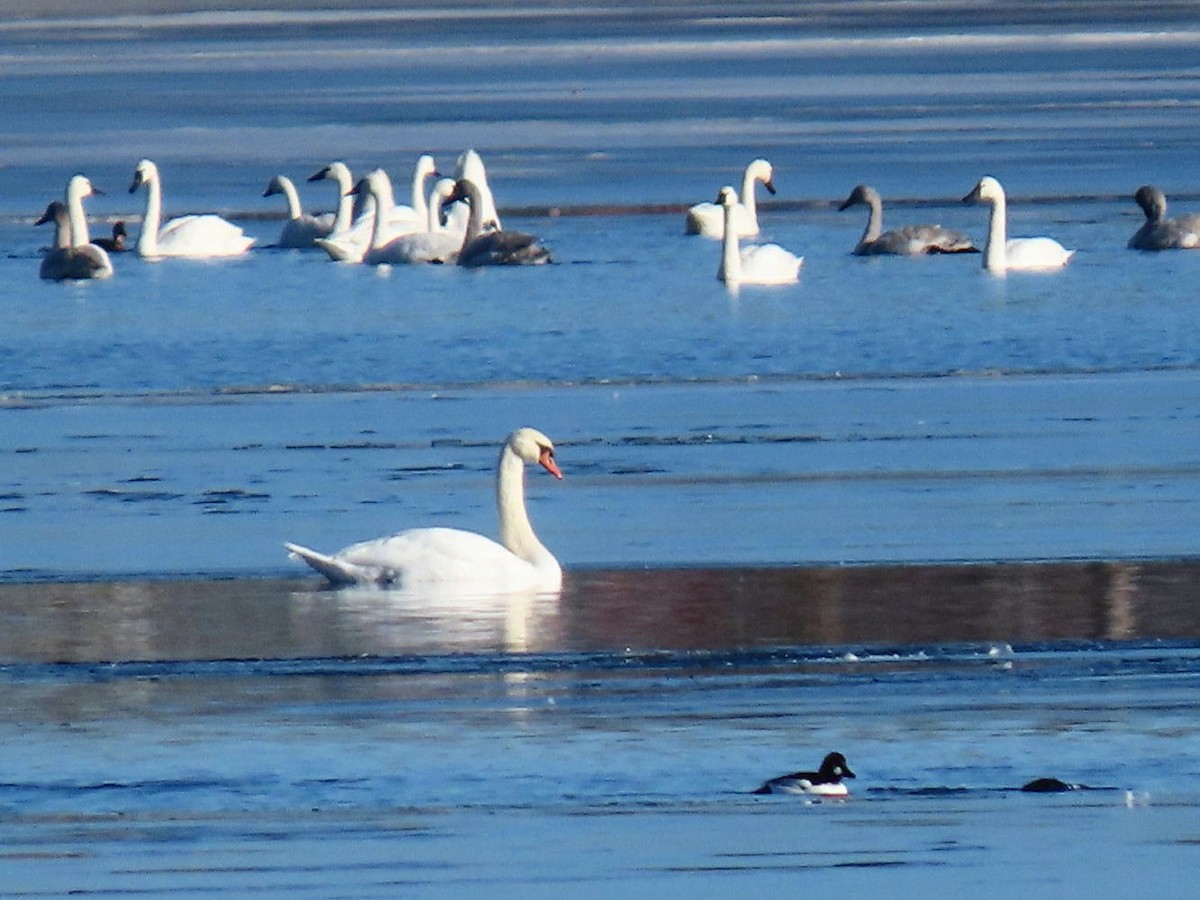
x,y
783,508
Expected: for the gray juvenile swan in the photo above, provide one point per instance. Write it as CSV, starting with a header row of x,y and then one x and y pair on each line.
x,y
67,263
911,240
1158,232
493,248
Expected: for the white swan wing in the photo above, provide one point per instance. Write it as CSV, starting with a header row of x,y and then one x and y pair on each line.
x,y
708,220
426,556
769,264
202,236
302,233
421,247
1036,253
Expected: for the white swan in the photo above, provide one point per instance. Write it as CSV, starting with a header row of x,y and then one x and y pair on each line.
x,y
435,245
469,167
708,219
65,262
756,264
438,556
1158,232
301,229
911,240
197,236
1002,253
352,244
339,174
493,248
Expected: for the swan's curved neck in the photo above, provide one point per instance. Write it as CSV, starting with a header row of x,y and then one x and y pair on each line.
x,y
434,222
474,214
148,239
995,253
385,202
516,531
420,207
62,230
293,198
78,234
748,195
345,208
731,261
874,221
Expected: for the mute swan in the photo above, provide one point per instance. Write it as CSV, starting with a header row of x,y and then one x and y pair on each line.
x,y
708,219
493,248
911,240
432,556
67,263
756,264
116,243
301,229
351,245
197,236
1000,253
1159,232
340,175
436,245
825,782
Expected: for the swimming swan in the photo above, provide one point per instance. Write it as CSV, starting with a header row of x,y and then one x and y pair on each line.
x,y
757,263
434,245
197,236
1001,254
911,240
708,219
65,262
301,229
1159,232
492,248
428,556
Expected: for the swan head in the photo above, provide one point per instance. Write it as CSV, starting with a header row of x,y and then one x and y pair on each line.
x,y
144,173
761,170
470,166
425,166
443,188
1152,201
987,191
335,171
79,187
465,191
277,185
376,182
531,446
862,194
55,212
727,197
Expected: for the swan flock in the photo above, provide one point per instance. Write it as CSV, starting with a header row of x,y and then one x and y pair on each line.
x,y
456,221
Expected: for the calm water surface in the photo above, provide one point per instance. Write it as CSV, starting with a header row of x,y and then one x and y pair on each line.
x,y
942,522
